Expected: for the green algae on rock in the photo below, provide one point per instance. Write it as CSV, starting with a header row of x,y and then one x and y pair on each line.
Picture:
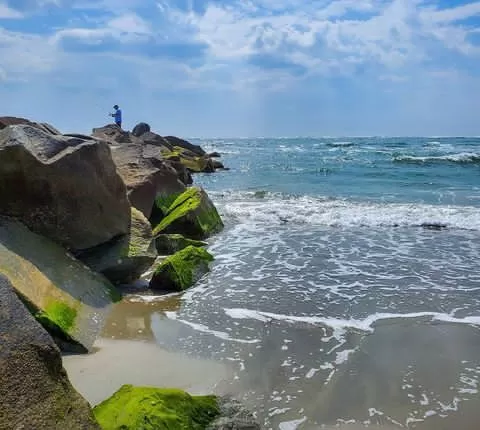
x,y
148,408
181,270
67,298
171,243
127,257
192,214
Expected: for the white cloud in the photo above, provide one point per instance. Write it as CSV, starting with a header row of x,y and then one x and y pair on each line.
x,y
8,13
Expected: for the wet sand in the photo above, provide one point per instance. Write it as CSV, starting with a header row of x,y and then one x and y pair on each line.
x,y
117,362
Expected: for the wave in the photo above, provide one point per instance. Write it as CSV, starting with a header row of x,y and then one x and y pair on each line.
x,y
461,158
366,325
263,207
340,144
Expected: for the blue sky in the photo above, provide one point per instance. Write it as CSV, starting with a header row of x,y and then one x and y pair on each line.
x,y
245,67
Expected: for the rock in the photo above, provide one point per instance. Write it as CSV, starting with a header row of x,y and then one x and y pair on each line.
x,y
217,164
35,392
125,258
181,270
112,134
148,408
68,299
214,154
190,160
145,176
150,138
175,141
233,416
171,243
69,188
140,129
192,214
5,121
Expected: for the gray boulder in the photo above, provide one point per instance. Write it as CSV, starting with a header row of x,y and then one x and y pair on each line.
x,y
126,258
140,129
65,188
35,392
69,300
145,174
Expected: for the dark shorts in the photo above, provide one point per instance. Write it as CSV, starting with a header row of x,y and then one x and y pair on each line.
x,y
119,123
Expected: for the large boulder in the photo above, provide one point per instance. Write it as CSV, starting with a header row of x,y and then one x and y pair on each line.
x,y
125,258
112,134
168,244
149,408
64,188
5,121
181,270
35,392
176,141
192,214
140,128
145,176
68,299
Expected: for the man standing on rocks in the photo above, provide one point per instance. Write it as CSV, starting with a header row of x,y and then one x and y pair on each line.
x,y
117,115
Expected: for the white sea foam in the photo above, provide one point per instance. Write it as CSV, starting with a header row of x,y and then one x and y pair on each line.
x,y
205,329
291,425
367,324
344,213
463,157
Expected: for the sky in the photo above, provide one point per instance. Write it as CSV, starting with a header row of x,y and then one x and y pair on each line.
x,y
245,68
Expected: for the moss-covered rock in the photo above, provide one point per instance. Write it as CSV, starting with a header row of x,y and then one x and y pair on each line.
x,y
190,160
171,243
148,408
192,214
127,257
67,298
35,392
181,270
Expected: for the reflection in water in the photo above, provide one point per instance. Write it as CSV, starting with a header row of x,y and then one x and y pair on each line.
x,y
132,318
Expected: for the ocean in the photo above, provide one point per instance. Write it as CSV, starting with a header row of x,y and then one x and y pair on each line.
x,y
345,287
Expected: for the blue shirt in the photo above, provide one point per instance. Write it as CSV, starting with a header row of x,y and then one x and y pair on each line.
x,y
118,115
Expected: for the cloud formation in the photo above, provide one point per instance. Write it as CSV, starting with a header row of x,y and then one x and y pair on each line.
x,y
384,56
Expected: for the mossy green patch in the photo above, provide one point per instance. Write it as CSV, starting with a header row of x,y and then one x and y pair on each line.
x,y
181,270
192,214
62,315
148,408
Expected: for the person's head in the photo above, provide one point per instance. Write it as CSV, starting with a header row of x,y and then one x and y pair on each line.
x,y
116,107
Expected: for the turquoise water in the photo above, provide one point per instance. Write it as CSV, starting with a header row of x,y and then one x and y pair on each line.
x,y
345,290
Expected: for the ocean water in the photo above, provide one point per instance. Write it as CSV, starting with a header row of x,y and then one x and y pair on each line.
x,y
345,291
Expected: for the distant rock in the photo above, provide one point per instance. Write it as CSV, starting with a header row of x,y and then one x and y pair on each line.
x,y
124,259
218,165
214,155
181,270
35,392
176,141
69,300
64,188
192,214
140,129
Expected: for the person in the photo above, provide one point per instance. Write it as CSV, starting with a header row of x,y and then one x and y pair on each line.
x,y
117,115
